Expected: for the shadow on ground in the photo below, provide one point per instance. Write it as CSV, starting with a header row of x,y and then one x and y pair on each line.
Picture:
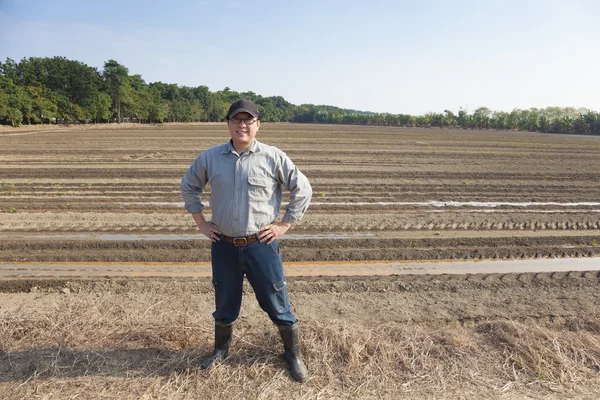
x,y
148,362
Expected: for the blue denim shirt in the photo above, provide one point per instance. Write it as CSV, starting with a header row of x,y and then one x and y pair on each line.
x,y
246,189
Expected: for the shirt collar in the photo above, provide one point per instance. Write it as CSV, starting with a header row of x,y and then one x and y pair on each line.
x,y
228,148
254,146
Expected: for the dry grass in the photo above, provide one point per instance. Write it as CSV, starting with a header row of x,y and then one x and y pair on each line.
x,y
144,345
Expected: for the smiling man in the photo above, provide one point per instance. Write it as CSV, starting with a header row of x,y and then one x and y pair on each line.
x,y
246,178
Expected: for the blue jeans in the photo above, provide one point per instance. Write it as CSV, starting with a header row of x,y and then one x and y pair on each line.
x,y
261,263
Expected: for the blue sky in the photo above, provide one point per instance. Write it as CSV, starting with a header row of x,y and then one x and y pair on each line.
x,y
385,56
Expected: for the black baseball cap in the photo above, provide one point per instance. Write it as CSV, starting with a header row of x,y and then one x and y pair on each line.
x,y
243,106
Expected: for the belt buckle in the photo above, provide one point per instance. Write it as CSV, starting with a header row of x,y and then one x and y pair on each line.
x,y
243,243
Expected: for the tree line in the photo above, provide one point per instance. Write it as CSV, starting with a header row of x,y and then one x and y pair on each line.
x,y
58,90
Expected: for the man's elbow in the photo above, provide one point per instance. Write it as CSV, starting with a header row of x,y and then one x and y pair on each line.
x,y
309,192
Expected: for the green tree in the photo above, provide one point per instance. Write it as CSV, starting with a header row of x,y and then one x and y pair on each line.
x,y
8,69
578,124
78,82
24,102
481,117
158,108
14,115
592,122
117,79
99,107
3,104
8,112
449,119
462,117
202,94
18,103
42,108
217,107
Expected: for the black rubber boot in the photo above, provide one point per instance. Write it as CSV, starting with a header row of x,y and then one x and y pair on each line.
x,y
223,333
292,354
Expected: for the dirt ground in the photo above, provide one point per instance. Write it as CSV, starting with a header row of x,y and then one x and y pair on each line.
x,y
104,194
401,185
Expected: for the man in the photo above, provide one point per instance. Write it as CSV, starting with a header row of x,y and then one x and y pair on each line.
x,y
246,179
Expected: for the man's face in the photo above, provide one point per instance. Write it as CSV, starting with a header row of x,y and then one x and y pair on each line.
x,y
241,133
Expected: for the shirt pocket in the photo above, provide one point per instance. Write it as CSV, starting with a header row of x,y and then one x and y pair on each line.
x,y
260,188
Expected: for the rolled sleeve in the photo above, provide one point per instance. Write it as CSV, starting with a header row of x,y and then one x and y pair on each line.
x,y
300,190
193,183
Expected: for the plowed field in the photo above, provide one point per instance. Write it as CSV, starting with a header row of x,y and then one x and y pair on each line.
x,y
406,194
91,205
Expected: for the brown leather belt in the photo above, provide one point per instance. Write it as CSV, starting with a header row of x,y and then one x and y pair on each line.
x,y
240,241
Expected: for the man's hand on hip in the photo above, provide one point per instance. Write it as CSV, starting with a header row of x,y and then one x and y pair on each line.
x,y
273,231
210,230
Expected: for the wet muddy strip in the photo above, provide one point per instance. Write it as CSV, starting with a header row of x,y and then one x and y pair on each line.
x,y
431,203
203,270
197,236
307,249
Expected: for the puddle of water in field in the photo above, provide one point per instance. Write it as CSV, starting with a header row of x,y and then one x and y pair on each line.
x,y
156,203
489,204
126,237
437,204
23,270
33,132
505,266
519,211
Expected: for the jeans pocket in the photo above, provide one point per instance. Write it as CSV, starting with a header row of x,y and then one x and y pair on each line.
x,y
274,248
280,297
